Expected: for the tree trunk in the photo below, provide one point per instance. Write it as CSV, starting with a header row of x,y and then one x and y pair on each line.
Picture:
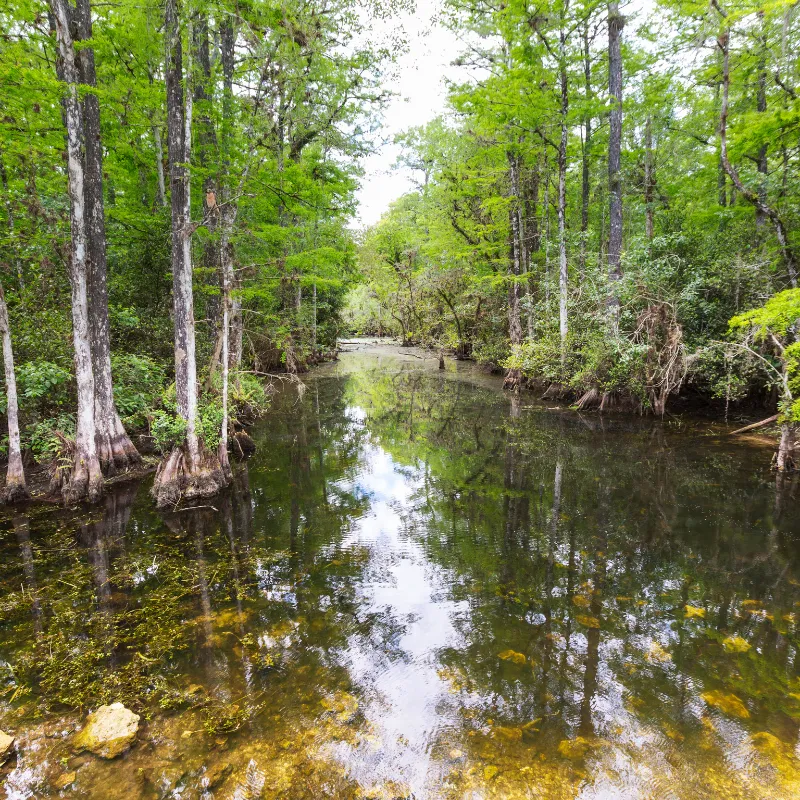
x,y
114,447
533,240
190,470
649,178
587,143
785,461
615,24
15,488
753,197
161,190
514,377
85,478
563,286
761,107
235,316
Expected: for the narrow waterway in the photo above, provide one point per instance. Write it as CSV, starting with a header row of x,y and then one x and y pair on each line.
x,y
419,587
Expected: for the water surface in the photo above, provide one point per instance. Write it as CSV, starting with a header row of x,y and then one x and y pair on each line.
x,y
420,587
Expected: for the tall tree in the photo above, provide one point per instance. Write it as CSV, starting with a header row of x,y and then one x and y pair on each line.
x,y
615,24
15,489
190,470
85,477
115,448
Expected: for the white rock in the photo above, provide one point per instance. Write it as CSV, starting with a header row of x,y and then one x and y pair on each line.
x,y
108,732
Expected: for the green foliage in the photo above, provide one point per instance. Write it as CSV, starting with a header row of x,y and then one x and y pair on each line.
x,y
138,385
168,429
49,440
775,317
42,385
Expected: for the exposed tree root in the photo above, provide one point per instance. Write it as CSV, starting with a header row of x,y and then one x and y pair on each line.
x,y
589,399
658,328
176,482
15,491
242,446
71,478
513,380
83,484
116,451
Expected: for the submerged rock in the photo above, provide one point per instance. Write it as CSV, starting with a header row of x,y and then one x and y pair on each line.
x,y
65,779
6,746
108,732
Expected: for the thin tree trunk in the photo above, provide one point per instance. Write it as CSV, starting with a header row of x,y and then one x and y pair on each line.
x,y
534,239
722,188
761,107
161,190
785,461
191,470
236,319
649,178
513,377
114,447
86,479
15,488
751,196
587,143
563,285
615,24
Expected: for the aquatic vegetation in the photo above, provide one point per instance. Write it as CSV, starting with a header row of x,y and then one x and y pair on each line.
x,y
414,601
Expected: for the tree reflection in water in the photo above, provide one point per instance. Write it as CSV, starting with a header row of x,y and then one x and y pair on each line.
x,y
420,585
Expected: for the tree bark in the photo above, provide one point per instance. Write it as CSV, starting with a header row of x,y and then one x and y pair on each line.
x,y
563,285
587,142
236,319
753,197
190,471
15,488
615,24
649,179
513,377
761,107
114,447
85,479
161,189
785,461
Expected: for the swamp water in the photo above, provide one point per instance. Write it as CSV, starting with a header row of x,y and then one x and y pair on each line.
x,y
419,587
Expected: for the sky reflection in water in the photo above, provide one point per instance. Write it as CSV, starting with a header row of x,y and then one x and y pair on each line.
x,y
420,587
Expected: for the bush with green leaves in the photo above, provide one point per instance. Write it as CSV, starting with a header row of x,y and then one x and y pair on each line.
x,y
138,386
773,328
42,386
168,428
50,440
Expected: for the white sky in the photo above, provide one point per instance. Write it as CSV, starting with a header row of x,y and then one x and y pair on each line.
x,y
421,97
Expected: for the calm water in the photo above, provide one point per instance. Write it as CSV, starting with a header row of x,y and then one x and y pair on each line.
x,y
420,588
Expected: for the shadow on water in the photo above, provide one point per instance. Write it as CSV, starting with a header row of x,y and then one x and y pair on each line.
x,y
419,587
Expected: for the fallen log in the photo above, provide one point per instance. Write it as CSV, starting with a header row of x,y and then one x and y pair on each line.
x,y
767,421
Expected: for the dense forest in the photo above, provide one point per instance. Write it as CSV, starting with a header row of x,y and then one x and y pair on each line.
x,y
606,210
177,184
